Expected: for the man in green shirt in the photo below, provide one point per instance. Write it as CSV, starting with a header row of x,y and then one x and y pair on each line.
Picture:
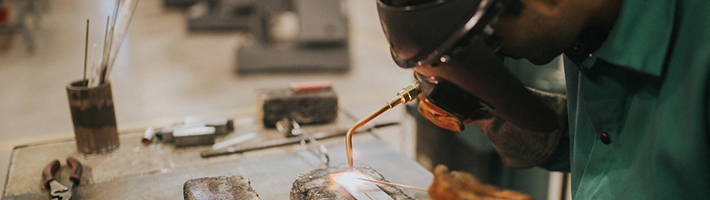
x,y
634,121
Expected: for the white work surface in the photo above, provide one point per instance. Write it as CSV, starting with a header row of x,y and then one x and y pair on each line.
x,y
164,72
158,171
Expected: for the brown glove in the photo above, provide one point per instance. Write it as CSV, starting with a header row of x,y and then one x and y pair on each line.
x,y
4,14
463,186
442,118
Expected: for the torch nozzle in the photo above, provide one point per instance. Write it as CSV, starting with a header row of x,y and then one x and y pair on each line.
x,y
408,93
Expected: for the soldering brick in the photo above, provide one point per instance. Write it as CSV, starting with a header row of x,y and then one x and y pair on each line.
x,y
312,107
221,187
316,184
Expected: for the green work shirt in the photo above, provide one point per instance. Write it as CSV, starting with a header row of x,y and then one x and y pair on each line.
x,y
638,106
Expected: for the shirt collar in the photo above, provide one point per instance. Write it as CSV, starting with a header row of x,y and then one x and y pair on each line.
x,y
640,37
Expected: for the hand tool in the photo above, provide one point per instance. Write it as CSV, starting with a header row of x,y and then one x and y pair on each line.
x,y
57,190
322,151
284,141
233,141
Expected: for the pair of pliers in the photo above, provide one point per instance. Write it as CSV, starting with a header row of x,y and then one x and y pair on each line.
x,y
57,190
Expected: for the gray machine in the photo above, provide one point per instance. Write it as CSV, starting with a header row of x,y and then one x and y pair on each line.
x,y
224,15
289,35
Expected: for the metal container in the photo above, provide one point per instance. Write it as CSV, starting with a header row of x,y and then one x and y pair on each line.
x,y
93,117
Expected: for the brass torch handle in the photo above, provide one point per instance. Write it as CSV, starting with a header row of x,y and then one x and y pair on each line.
x,y
408,93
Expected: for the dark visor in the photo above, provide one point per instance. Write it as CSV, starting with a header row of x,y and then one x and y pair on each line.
x,y
423,33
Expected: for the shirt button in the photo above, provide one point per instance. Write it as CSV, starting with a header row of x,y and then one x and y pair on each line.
x,y
577,48
605,138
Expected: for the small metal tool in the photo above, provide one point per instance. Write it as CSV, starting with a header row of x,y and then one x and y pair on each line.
x,y
284,126
322,151
291,128
286,141
58,191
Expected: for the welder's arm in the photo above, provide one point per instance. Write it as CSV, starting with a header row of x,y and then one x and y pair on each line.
x,y
518,147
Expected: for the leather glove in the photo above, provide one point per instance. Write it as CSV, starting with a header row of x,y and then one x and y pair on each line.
x,y
4,14
521,148
442,118
463,186
518,147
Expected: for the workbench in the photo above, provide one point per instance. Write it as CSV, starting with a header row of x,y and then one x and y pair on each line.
x,y
158,171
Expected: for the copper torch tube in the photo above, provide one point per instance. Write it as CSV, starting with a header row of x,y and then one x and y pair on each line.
x,y
407,94
357,125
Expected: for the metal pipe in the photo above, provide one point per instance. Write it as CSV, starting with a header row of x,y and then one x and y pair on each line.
x,y
408,93
351,131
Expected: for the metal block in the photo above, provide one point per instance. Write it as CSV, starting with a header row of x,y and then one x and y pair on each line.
x,y
221,187
303,107
316,184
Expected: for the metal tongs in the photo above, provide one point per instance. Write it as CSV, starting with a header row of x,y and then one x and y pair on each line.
x,y
291,128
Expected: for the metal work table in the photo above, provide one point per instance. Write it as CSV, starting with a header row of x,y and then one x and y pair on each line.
x,y
158,171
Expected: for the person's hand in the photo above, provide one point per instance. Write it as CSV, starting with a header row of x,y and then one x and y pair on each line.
x,y
463,186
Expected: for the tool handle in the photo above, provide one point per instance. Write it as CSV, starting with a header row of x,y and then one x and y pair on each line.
x,y
76,170
48,172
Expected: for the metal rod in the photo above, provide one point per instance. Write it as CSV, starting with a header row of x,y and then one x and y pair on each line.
x,y
86,52
357,125
394,184
122,32
323,152
102,68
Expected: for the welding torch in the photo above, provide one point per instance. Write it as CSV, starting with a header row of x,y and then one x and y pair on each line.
x,y
408,93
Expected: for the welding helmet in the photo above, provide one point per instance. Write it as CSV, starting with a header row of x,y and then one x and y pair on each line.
x,y
428,32
424,32
461,33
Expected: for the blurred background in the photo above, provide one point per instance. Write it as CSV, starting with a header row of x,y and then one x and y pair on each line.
x,y
190,57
